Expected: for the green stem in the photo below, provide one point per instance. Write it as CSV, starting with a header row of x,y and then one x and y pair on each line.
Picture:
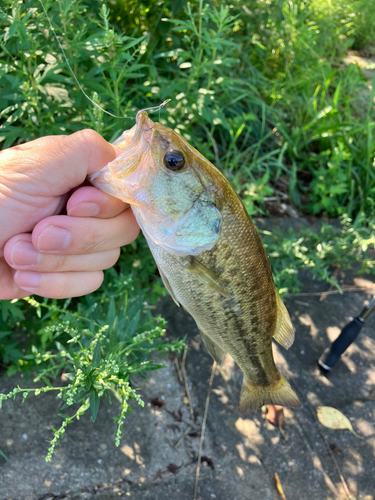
x,y
116,394
58,309
200,12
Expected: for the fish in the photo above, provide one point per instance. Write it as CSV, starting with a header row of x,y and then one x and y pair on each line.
x,y
208,252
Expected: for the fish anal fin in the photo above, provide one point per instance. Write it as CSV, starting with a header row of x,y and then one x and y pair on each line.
x,y
215,350
284,331
168,286
280,393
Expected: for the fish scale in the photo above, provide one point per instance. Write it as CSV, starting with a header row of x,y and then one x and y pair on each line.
x,y
208,252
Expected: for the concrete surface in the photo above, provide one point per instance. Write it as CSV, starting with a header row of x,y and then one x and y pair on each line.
x,y
241,453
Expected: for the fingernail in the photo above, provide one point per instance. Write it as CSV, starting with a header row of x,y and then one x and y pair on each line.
x,y
28,280
84,209
24,254
53,239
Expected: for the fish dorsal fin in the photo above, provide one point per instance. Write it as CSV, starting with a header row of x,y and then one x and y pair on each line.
x,y
168,287
284,331
216,351
204,274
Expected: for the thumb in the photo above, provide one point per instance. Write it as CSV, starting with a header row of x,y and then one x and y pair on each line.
x,y
55,168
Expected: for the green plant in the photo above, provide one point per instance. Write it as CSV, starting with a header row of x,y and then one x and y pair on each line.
x,y
38,94
260,92
320,252
11,313
333,140
352,20
97,342
210,101
324,112
254,194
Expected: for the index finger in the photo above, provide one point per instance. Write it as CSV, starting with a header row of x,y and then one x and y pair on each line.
x,y
64,235
88,201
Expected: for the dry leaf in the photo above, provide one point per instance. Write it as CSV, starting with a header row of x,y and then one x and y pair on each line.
x,y
334,419
279,488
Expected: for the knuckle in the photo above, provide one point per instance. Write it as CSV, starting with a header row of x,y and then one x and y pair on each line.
x,y
90,241
52,264
65,285
91,145
59,264
88,137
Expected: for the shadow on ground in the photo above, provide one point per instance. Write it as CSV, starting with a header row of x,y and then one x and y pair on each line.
x,y
158,455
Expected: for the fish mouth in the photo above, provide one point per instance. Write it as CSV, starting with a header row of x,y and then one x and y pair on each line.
x,y
143,122
143,128
135,144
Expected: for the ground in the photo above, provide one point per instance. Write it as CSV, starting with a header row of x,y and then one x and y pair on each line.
x,y
157,456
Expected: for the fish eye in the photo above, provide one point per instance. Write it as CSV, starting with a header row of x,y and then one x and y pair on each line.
x,y
174,160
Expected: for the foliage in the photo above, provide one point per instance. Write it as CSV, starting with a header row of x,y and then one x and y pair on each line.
x,y
38,94
260,91
321,251
97,342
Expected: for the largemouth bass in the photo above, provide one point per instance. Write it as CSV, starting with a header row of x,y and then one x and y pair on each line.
x,y
208,251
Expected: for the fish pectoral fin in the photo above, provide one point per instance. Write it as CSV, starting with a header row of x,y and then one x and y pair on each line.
x,y
284,331
204,274
253,397
168,287
216,351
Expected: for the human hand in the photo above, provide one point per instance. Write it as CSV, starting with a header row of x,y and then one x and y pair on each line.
x,y
58,256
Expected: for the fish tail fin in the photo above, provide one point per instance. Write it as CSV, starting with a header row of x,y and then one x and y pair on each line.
x,y
280,393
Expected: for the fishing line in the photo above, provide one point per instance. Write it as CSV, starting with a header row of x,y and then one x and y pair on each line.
x,y
153,108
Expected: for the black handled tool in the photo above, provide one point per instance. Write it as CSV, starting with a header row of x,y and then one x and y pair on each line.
x,y
347,336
